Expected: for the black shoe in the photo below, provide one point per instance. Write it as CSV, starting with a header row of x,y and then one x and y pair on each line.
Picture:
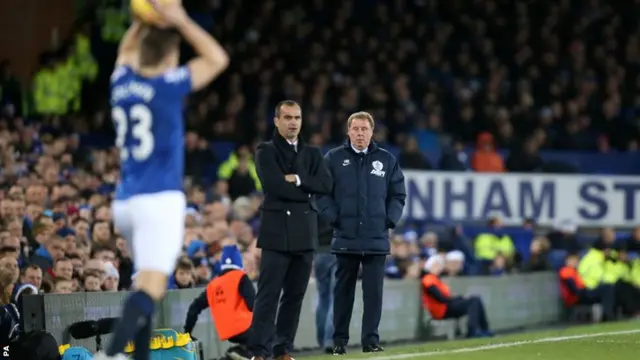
x,y
339,350
328,350
372,348
238,353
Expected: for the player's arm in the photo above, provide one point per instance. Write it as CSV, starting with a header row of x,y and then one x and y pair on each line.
x,y
212,59
128,49
197,306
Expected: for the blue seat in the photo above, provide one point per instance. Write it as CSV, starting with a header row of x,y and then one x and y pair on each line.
x,y
556,258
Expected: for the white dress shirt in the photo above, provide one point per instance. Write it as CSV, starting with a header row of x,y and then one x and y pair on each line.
x,y
295,148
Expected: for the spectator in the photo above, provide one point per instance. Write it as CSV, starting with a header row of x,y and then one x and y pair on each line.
x,y
562,237
111,277
241,182
454,263
63,269
525,159
485,158
92,282
538,258
9,274
101,233
242,154
198,157
441,304
11,88
429,244
488,245
632,243
411,158
62,286
454,158
183,276
203,273
105,253
498,266
399,261
575,289
32,274
606,241
51,251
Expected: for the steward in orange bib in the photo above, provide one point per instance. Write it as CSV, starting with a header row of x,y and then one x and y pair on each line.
x,y
437,300
573,290
229,297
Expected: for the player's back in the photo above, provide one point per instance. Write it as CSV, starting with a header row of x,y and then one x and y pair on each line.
x,y
147,115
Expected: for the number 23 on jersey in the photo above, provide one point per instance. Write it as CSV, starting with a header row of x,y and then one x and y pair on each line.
x,y
139,121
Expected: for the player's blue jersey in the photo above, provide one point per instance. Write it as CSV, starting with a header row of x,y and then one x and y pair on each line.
x,y
148,116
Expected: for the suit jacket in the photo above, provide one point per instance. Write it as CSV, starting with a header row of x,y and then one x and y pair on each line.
x,y
288,214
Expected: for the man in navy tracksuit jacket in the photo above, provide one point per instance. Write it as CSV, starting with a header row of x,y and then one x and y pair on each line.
x,y
367,200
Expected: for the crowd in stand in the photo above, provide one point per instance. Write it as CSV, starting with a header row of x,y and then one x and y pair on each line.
x,y
542,74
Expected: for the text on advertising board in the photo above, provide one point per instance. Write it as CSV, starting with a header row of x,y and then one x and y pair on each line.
x,y
588,200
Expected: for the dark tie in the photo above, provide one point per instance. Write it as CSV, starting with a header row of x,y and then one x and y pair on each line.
x,y
294,148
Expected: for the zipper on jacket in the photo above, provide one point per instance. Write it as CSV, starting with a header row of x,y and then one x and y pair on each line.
x,y
358,176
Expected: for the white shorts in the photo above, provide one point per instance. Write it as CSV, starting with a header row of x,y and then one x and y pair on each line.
x,y
153,225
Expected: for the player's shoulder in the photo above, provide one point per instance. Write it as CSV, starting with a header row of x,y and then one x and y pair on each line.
x,y
120,72
176,75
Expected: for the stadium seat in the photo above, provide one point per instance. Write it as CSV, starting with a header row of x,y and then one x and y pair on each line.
x,y
447,328
556,259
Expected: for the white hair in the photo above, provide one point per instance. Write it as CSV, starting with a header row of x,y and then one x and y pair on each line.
x,y
433,260
455,255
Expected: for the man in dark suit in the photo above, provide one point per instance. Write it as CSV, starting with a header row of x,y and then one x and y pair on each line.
x,y
366,202
291,174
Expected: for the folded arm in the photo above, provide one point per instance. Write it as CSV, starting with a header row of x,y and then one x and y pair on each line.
x,y
273,179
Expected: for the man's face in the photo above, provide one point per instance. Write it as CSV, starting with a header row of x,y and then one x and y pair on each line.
x,y
9,264
33,277
36,194
95,266
56,249
218,212
106,256
12,242
102,232
289,122
111,283
360,133
33,211
184,277
6,208
82,229
15,228
92,283
64,269
64,287
103,213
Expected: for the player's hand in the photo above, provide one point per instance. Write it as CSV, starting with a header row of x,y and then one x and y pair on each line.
x,y
173,14
290,178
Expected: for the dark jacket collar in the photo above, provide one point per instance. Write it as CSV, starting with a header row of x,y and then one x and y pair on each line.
x,y
281,142
372,146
